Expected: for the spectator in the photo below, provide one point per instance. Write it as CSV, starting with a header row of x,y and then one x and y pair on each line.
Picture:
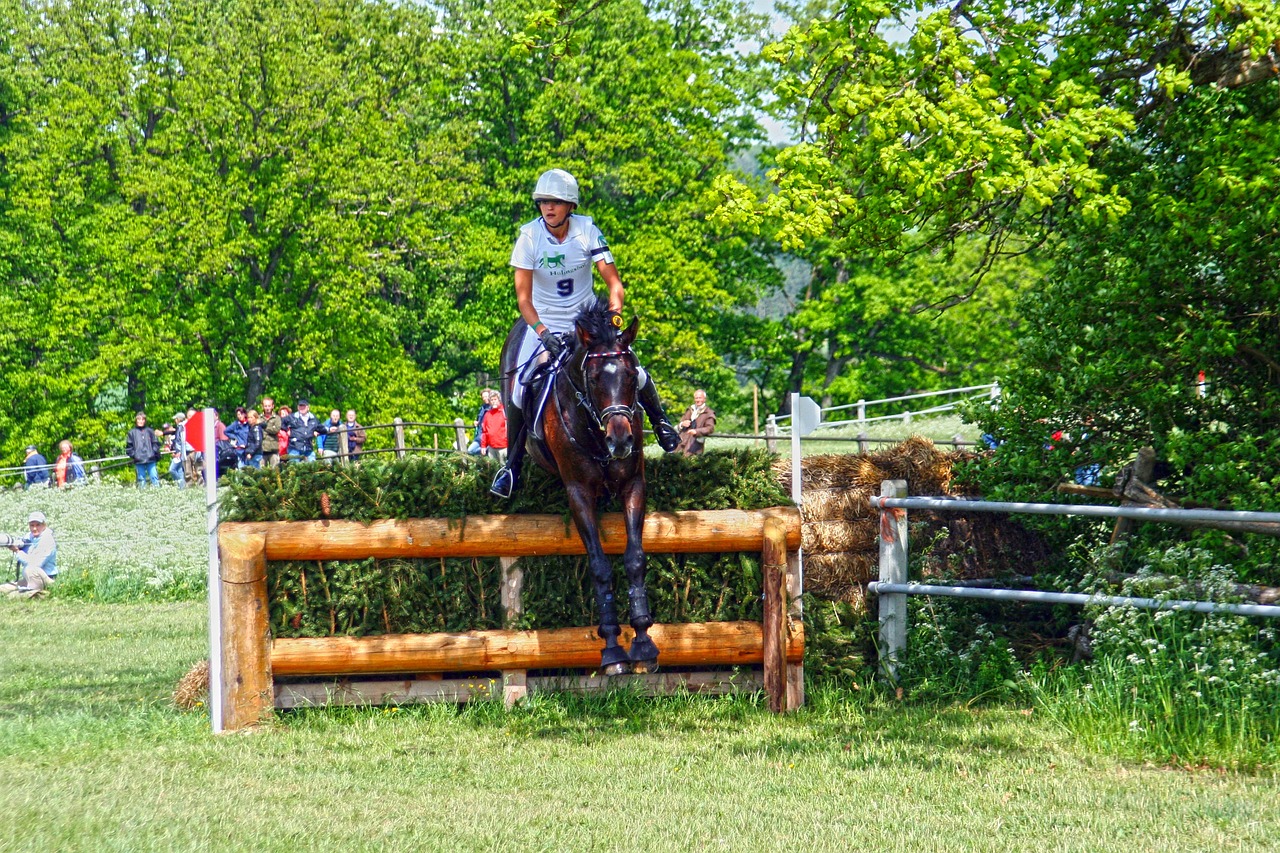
x,y
302,431
355,434
253,440
179,450
69,469
699,421
493,431
486,398
141,446
282,438
37,468
272,422
238,433
38,556
328,432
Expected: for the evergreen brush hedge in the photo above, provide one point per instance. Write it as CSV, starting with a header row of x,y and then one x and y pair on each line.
x,y
365,597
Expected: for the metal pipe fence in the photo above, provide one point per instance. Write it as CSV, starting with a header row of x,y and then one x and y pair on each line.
x,y
893,586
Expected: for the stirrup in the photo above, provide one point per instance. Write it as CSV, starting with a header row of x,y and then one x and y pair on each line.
x,y
665,433
504,483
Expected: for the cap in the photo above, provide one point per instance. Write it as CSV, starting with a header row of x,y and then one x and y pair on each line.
x,y
302,401
36,516
31,447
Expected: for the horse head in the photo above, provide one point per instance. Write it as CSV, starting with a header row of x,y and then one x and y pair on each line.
x,y
608,376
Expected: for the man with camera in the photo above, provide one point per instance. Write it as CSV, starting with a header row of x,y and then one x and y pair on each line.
x,y
36,554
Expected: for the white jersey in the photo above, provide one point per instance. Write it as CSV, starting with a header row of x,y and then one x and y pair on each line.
x,y
562,279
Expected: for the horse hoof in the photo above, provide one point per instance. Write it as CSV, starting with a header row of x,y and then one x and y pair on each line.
x,y
643,666
620,668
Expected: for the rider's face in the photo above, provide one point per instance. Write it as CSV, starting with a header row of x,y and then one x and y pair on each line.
x,y
554,213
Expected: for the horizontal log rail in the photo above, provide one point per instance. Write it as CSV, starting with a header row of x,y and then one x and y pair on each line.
x,y
705,531
682,644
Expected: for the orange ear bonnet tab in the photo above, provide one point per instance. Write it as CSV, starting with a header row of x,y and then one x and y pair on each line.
x,y
617,321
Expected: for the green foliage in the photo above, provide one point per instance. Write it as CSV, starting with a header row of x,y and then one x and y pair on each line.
x,y
452,485
319,199
1186,688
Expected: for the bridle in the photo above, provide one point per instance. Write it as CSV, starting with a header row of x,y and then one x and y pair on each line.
x,y
600,417
584,393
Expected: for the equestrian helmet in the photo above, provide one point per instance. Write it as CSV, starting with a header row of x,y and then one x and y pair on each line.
x,y
556,185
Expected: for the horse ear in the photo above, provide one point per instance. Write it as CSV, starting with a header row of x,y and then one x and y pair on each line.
x,y
584,337
629,335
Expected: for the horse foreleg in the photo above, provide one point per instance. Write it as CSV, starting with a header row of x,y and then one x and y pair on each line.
x,y
644,652
613,658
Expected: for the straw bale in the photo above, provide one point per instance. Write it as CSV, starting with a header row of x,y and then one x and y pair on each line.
x,y
193,688
826,537
836,576
840,504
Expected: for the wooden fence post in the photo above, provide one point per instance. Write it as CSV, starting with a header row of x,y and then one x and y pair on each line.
x,y
862,443
460,435
399,424
795,623
247,692
344,448
893,569
1143,467
515,682
774,566
771,434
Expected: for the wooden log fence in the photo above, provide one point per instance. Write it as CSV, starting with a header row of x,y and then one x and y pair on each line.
x,y
252,660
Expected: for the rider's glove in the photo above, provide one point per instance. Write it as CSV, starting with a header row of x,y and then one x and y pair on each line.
x,y
551,342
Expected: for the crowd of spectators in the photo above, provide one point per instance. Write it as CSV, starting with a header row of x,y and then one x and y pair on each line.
x,y
254,438
265,436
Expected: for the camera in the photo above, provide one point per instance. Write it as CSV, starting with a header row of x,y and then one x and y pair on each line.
x,y
8,540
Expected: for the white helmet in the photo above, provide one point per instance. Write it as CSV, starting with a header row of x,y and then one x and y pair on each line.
x,y
556,185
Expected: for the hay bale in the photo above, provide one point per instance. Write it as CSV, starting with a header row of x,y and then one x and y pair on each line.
x,y
193,688
839,504
833,537
836,576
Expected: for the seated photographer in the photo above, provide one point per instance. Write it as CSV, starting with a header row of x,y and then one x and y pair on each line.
x,y
37,555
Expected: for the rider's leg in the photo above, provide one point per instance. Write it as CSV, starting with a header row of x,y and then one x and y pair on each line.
x,y
508,476
663,431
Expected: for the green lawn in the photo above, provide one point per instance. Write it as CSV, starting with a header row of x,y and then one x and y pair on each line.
x,y
94,756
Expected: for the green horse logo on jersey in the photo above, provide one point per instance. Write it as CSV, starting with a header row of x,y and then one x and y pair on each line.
x,y
553,261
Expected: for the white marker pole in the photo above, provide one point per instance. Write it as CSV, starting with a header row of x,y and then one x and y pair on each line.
x,y
215,574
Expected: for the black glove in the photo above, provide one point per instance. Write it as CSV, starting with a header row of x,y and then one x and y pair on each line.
x,y
551,342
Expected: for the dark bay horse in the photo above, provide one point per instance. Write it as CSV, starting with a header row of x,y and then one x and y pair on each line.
x,y
592,440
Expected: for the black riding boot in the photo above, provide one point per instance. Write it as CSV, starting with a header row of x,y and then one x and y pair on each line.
x,y
508,475
668,438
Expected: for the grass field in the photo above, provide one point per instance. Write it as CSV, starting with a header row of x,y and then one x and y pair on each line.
x,y
95,757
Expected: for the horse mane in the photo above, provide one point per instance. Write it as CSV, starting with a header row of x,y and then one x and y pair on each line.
x,y
596,320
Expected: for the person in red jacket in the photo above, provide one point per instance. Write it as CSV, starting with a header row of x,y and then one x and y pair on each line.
x,y
493,430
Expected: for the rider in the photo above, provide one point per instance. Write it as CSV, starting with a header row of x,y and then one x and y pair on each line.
x,y
553,257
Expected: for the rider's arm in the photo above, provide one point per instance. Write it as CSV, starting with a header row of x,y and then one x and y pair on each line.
x,y
609,272
524,299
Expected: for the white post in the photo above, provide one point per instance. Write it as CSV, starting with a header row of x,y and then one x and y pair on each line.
x,y
771,434
796,468
893,569
797,476
215,575
862,411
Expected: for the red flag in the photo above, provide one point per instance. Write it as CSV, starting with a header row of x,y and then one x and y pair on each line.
x,y
195,431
